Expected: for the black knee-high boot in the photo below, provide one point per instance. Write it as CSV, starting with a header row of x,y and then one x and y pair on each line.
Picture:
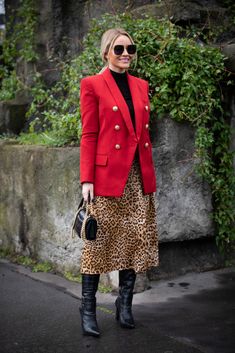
x,y
88,307
124,300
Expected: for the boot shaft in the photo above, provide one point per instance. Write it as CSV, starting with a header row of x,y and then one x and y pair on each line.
x,y
90,285
88,305
126,286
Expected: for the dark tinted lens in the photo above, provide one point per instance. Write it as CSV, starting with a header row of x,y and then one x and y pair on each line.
x,y
118,49
131,49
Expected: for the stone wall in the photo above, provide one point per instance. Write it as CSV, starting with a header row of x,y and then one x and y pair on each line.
x,y
40,191
38,198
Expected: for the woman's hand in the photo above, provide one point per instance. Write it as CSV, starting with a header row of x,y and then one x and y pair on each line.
x,y
88,189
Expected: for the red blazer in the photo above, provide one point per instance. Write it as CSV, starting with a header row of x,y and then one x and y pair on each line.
x,y
109,141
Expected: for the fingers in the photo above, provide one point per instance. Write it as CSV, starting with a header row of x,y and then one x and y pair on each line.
x,y
88,189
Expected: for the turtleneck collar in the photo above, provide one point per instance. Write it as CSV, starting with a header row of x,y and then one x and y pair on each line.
x,y
118,75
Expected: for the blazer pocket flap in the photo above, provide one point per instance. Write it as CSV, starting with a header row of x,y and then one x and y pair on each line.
x,y
101,159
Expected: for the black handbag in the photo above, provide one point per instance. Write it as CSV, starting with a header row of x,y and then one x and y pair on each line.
x,y
84,225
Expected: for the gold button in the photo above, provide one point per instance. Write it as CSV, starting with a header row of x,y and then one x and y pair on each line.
x,y
146,126
115,108
117,127
146,108
146,145
117,146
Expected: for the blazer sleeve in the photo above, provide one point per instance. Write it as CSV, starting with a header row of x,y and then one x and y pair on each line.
x,y
90,129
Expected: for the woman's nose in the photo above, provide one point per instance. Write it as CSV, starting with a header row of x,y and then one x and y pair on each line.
x,y
125,52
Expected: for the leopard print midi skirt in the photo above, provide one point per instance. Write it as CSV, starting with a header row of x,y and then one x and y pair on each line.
x,y
127,231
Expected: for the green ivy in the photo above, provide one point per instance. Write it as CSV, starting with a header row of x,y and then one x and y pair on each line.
x,y
184,77
17,46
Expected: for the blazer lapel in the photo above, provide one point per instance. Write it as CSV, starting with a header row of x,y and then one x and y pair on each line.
x,y
120,101
137,99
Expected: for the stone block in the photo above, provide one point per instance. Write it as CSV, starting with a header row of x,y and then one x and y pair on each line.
x,y
180,257
184,200
228,50
185,12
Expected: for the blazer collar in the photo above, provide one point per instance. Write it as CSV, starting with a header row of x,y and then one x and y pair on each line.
x,y
121,103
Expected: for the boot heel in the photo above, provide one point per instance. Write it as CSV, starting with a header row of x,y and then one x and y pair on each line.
x,y
117,311
117,315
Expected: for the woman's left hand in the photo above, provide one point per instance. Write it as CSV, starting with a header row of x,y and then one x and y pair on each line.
x,y
88,190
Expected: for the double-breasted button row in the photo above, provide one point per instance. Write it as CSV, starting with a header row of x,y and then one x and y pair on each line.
x,y
117,146
117,127
115,108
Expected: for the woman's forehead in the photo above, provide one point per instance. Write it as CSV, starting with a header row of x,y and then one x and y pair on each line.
x,y
122,39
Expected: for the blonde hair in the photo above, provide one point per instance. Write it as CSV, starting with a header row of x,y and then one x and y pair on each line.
x,y
108,38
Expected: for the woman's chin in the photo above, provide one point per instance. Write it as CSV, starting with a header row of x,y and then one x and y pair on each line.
x,y
124,66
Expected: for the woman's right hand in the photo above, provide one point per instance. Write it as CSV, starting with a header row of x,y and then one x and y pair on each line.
x,y
88,189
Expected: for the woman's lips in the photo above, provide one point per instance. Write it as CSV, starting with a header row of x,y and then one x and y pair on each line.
x,y
126,60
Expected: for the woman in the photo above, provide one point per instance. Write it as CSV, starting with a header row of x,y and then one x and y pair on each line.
x,y
117,173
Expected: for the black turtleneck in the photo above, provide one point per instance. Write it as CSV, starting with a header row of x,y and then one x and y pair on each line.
x,y
122,82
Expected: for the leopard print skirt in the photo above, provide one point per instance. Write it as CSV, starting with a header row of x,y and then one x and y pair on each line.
x,y
127,231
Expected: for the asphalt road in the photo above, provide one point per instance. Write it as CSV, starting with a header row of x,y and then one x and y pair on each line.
x,y
37,317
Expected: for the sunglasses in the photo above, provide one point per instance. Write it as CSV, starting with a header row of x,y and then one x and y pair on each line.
x,y
119,49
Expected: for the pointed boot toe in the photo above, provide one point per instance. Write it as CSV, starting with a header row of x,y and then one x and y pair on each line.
x,y
89,324
124,315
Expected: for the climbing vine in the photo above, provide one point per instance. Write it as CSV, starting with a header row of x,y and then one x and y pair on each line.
x,y
184,77
17,46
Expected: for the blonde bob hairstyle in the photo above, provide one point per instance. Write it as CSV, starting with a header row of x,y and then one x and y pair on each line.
x,y
108,38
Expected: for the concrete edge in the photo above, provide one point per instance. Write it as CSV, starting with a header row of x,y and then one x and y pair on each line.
x,y
161,291
68,287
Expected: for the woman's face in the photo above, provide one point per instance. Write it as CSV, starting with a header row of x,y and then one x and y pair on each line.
x,y
120,63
